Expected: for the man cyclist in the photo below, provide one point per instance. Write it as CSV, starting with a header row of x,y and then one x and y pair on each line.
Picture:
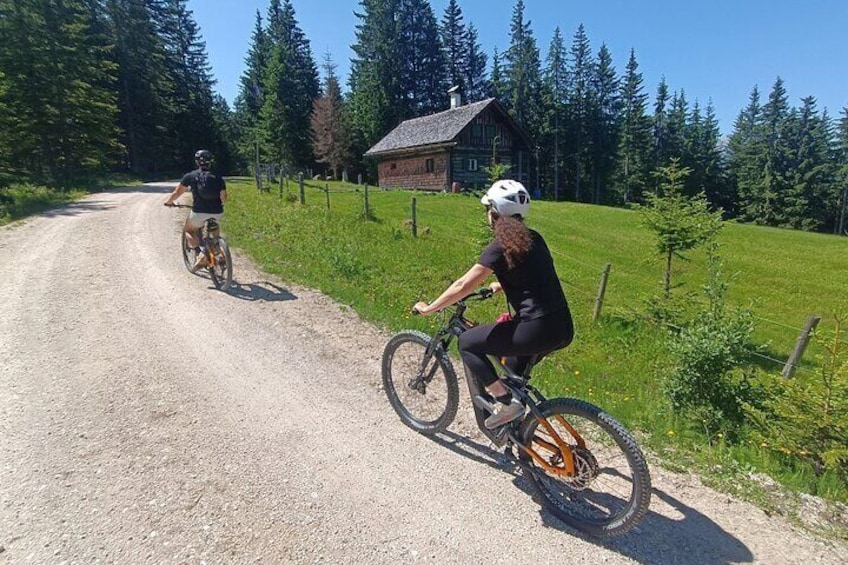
x,y
522,263
209,192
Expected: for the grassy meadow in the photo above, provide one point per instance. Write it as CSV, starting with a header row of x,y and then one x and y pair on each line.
x,y
376,266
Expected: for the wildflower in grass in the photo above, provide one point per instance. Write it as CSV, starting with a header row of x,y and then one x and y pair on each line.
x,y
670,433
577,373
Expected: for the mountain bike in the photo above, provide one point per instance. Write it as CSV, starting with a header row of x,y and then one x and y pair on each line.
x,y
219,263
587,469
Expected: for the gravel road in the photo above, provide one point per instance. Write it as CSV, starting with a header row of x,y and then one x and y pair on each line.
x,y
147,418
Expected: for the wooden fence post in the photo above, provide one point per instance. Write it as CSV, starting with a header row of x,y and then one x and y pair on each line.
x,y
359,179
414,217
282,176
602,290
800,345
327,190
302,193
367,204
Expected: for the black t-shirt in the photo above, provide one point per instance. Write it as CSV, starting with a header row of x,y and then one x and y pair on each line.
x,y
532,287
206,188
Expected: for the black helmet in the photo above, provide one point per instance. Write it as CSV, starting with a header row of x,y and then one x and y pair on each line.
x,y
203,157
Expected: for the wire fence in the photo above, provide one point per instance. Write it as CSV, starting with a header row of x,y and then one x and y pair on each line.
x,y
415,213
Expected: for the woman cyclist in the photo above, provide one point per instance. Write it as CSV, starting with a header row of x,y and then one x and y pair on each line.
x,y
522,263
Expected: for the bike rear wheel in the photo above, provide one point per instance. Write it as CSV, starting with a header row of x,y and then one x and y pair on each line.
x,y
610,489
222,270
425,397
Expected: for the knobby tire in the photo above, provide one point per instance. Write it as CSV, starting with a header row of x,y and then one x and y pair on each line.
x,y
589,507
442,393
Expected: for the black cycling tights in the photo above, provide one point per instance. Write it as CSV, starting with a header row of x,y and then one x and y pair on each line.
x,y
517,340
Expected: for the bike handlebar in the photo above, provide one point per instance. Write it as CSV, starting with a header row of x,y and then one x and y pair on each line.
x,y
484,293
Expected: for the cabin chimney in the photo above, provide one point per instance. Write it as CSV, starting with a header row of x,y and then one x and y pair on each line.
x,y
455,97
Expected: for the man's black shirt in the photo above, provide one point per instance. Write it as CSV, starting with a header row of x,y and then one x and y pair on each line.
x,y
206,188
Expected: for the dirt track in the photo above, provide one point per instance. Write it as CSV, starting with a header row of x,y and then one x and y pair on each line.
x,y
145,417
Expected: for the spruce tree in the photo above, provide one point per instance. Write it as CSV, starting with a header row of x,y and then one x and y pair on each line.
x,y
454,39
251,91
580,104
775,186
555,104
717,188
144,87
604,125
374,82
290,88
423,83
476,85
841,223
809,204
59,88
497,81
660,153
634,150
746,149
188,68
523,78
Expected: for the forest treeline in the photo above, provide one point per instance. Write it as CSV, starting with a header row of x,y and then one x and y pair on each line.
x,y
125,85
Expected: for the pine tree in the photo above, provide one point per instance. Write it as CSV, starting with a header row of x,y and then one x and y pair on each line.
x,y
454,38
775,187
59,88
423,83
374,82
497,81
290,88
604,125
555,103
144,88
809,204
717,188
228,158
476,85
678,117
634,161
746,157
842,174
523,77
580,104
251,95
190,74
330,132
660,154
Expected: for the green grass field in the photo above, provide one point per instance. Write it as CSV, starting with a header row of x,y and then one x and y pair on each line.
x,y
377,267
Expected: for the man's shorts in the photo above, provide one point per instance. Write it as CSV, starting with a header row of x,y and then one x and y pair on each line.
x,y
197,219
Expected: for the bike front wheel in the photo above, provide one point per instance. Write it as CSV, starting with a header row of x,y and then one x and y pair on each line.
x,y
608,489
222,269
423,392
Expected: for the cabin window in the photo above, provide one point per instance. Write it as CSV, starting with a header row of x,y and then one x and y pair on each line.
x,y
393,166
430,165
472,165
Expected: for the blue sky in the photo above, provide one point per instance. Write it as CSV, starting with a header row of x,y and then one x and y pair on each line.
x,y
718,49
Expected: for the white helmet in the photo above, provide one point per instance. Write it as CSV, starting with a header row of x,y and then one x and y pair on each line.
x,y
508,198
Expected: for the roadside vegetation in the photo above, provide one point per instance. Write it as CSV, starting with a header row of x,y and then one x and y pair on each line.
x,y
21,200
734,313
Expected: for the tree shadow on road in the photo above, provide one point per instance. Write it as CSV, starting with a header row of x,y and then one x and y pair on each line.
x,y
691,539
263,291
77,208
